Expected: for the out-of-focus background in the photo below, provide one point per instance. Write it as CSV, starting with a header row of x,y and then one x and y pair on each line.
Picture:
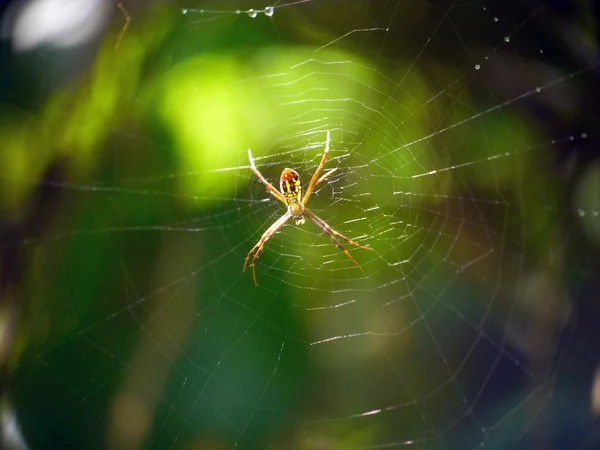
x,y
465,136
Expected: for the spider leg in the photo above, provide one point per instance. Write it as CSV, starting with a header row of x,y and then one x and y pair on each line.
x,y
313,181
260,245
125,26
331,232
325,176
342,248
264,181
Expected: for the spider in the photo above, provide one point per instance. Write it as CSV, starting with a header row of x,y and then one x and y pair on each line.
x,y
290,195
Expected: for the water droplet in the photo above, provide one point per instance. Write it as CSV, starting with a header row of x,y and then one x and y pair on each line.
x,y
571,138
477,67
584,135
541,51
269,11
184,11
495,19
252,13
538,89
581,212
507,39
595,212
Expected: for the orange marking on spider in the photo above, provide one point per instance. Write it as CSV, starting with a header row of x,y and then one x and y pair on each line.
x,y
290,194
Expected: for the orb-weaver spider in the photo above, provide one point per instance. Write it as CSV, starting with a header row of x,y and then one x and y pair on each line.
x,y
291,196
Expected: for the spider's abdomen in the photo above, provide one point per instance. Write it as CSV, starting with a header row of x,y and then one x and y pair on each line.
x,y
291,188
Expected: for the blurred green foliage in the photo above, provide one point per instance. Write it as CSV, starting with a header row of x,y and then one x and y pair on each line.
x,y
154,137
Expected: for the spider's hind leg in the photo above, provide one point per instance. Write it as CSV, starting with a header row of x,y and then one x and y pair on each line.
x,y
260,245
335,236
330,231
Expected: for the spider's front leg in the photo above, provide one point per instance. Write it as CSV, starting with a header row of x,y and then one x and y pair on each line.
x,y
314,181
260,245
274,192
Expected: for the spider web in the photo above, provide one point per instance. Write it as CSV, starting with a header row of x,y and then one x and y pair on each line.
x,y
458,331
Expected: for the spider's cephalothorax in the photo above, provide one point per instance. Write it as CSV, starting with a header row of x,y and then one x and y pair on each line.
x,y
292,196
291,188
